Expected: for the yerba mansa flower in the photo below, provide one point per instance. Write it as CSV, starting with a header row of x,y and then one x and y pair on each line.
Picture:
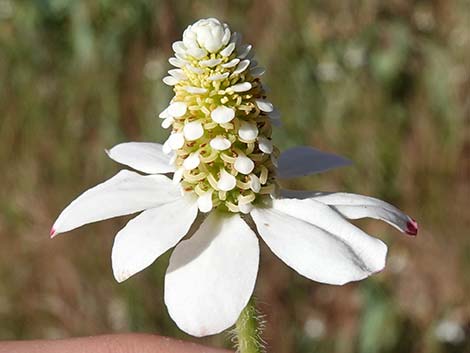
x,y
217,175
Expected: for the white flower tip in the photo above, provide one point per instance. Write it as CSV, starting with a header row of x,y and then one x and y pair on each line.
x,y
255,184
264,105
177,109
222,114
220,143
209,34
192,161
204,202
244,165
248,131
193,130
226,182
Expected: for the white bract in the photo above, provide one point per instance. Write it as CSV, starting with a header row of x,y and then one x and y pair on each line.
x,y
217,175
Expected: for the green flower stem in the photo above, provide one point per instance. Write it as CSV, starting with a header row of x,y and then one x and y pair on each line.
x,y
248,330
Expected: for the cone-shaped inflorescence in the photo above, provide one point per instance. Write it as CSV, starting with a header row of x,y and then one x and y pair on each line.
x,y
220,119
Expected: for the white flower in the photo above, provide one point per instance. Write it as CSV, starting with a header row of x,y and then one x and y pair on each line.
x,y
216,175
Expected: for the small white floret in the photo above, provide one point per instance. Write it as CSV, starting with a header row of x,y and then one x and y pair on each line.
x,y
265,145
178,175
257,71
192,161
210,62
177,62
167,122
170,80
231,63
226,181
244,165
255,184
193,130
248,131
228,50
195,90
177,109
222,114
176,141
218,77
242,66
204,202
244,50
220,143
178,74
164,114
240,87
264,105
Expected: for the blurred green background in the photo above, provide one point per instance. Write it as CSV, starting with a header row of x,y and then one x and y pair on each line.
x,y
385,83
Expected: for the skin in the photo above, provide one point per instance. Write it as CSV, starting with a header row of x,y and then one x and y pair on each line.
x,y
122,343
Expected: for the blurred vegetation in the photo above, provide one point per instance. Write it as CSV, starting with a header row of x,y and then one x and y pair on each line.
x,y
385,83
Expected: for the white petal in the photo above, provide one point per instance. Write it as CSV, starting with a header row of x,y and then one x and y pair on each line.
x,y
170,80
198,53
244,50
222,114
178,175
192,161
304,160
177,62
178,47
220,143
177,109
226,37
125,193
227,51
265,145
255,184
204,202
178,74
149,235
248,131
143,156
242,66
231,63
317,242
355,206
193,130
226,181
167,122
195,90
210,62
218,77
176,140
164,114
264,105
195,70
211,276
240,87
244,165
257,72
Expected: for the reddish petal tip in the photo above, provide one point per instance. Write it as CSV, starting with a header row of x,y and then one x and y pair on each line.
x,y
412,227
52,233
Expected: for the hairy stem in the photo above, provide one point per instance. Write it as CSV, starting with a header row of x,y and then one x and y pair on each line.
x,y
248,330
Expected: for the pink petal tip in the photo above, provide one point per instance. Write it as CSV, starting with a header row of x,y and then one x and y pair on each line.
x,y
412,227
52,233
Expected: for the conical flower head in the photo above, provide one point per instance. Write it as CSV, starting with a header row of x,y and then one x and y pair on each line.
x,y
220,119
